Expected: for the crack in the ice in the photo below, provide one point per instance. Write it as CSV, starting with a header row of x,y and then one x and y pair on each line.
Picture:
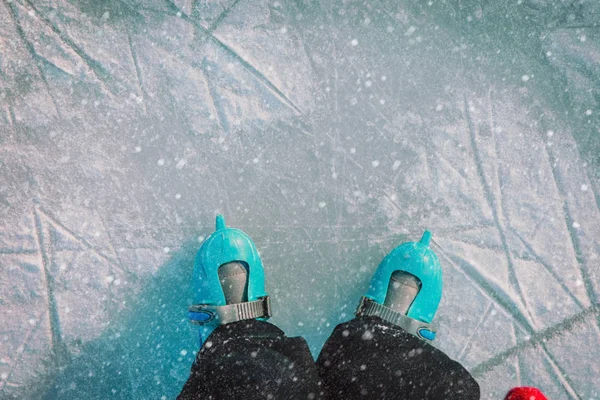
x,y
111,272
514,282
11,117
462,196
97,69
68,232
313,66
464,228
568,219
518,368
547,267
458,170
594,185
14,362
138,71
492,247
495,291
496,211
507,217
537,338
218,109
222,16
5,250
60,354
564,379
569,105
501,357
483,317
539,221
249,67
38,59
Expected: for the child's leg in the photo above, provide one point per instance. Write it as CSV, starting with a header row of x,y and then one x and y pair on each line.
x,y
252,360
370,358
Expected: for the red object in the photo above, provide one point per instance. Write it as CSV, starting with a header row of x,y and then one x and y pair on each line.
x,y
525,393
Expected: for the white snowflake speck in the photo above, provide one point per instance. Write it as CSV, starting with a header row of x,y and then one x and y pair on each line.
x,y
181,163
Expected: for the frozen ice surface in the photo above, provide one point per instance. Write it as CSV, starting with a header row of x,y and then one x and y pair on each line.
x,y
330,131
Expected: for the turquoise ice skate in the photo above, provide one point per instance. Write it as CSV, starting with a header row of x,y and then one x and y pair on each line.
x,y
229,281
406,289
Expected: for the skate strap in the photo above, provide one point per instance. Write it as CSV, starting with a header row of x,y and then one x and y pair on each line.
x,y
369,307
200,314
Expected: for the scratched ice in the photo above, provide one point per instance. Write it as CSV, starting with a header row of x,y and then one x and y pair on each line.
x,y
330,131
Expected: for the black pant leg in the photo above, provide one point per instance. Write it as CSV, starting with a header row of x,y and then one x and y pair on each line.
x,y
369,358
252,360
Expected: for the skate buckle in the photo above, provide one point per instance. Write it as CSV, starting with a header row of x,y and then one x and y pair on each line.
x,y
369,307
201,314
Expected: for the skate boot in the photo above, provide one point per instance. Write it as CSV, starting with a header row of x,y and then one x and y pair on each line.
x,y
229,281
406,289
